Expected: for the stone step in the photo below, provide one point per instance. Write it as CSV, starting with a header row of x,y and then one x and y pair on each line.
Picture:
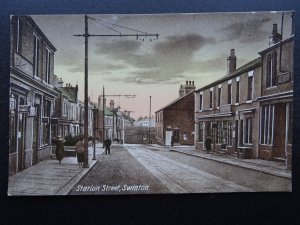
x,y
279,159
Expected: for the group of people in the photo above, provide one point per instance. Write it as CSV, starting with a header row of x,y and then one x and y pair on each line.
x,y
79,149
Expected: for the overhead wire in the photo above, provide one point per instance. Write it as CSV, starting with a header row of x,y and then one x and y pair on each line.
x,y
113,24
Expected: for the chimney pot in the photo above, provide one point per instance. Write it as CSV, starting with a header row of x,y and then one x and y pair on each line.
x,y
186,82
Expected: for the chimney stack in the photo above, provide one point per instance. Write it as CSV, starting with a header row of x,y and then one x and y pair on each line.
x,y
111,104
275,37
231,62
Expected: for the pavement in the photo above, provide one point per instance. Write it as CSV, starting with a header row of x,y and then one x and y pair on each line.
x,y
48,177
264,166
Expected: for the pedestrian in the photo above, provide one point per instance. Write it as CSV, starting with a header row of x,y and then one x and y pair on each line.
x,y
60,151
107,144
79,148
208,144
172,141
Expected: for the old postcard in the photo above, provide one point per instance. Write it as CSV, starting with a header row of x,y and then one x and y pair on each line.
x,y
156,103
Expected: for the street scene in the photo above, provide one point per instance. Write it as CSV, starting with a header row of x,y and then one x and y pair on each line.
x,y
151,104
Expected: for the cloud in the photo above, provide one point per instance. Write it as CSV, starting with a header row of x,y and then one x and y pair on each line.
x,y
164,64
246,32
98,67
120,47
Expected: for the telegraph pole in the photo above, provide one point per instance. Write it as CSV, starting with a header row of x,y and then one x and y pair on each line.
x,y
149,121
86,35
103,108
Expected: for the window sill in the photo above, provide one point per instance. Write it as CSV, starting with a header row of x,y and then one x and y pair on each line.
x,y
237,104
249,101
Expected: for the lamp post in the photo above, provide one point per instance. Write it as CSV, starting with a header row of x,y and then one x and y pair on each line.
x,y
95,114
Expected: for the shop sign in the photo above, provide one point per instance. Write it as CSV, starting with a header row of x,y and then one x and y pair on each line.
x,y
23,108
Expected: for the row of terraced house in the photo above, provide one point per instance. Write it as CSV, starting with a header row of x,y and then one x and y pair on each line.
x,y
41,106
247,113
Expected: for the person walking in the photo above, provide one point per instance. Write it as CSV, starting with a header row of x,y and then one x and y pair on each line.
x,y
79,148
60,151
172,141
107,144
208,144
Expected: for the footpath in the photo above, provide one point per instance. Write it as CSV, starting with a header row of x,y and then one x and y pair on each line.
x,y
263,166
48,177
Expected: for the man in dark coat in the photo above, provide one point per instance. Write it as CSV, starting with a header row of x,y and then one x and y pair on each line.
x,y
60,151
107,144
208,144
172,140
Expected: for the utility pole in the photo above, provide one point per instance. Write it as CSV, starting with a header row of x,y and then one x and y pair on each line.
x,y
86,35
103,108
114,110
149,122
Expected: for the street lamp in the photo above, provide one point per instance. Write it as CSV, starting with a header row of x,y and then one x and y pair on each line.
x,y
95,113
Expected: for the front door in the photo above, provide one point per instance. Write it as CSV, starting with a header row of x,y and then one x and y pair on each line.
x,y
36,134
168,137
176,136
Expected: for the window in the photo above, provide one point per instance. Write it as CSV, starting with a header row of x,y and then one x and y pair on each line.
x,y
248,131
250,88
201,101
237,93
271,69
229,94
200,136
46,122
65,106
219,96
210,98
48,66
219,132
266,124
36,56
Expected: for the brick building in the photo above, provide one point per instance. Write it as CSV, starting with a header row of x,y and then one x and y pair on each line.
x,y
276,101
176,118
227,110
249,112
32,94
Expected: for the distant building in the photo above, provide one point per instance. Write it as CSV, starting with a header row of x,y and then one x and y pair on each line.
x,y
67,111
177,118
145,122
32,94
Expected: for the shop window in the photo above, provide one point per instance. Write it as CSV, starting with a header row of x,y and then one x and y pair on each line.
x,y
266,124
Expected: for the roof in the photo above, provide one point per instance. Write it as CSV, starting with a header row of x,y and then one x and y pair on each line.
x,y
247,67
176,100
69,92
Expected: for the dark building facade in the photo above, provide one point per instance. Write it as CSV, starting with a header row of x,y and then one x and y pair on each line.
x,y
276,101
177,119
32,94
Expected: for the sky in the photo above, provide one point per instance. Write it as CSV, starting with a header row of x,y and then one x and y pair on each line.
x,y
190,47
